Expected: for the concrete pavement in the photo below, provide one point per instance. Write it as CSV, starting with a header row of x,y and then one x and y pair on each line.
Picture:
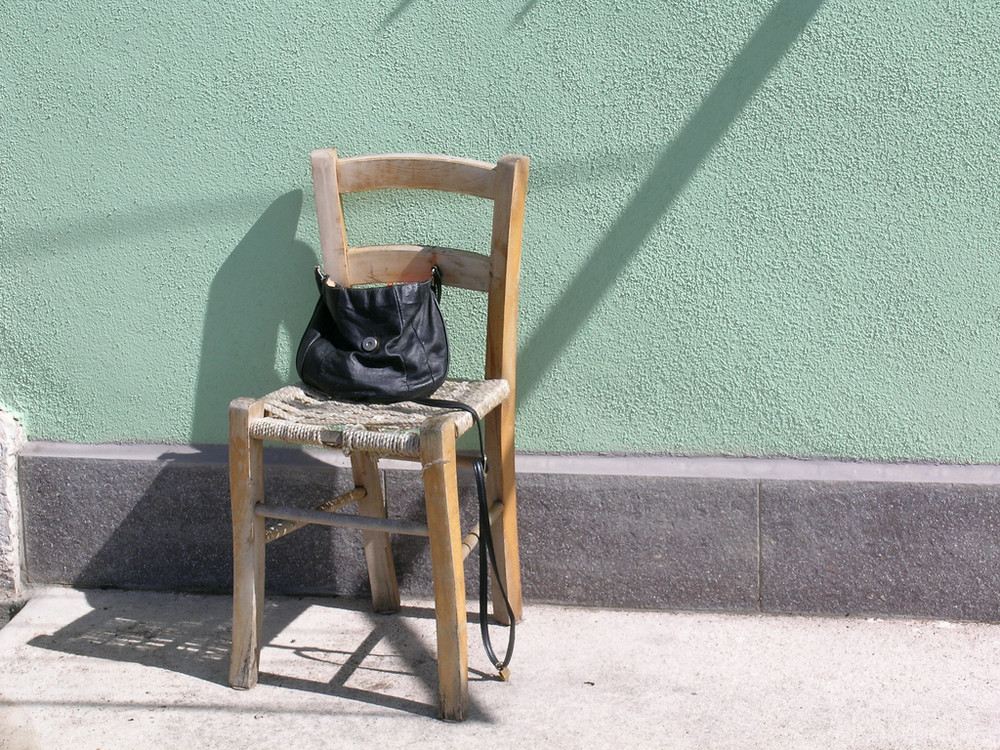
x,y
123,669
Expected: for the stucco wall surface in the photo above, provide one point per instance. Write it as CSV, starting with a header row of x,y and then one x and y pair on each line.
x,y
754,227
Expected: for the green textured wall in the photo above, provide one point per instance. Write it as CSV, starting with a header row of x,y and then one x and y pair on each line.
x,y
753,228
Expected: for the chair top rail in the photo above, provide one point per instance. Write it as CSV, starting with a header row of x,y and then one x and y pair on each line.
x,y
418,172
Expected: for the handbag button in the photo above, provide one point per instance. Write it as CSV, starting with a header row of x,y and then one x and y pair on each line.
x,y
370,344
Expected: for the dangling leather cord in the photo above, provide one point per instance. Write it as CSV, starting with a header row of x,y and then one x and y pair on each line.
x,y
480,469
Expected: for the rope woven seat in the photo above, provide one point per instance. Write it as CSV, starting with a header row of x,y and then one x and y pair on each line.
x,y
302,415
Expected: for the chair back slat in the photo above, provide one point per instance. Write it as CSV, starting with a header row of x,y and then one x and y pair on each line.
x,y
396,264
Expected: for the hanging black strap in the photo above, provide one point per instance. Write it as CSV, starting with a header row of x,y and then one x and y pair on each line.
x,y
480,469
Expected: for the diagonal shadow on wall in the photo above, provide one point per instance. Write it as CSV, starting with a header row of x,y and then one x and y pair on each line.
x,y
525,10
671,172
396,12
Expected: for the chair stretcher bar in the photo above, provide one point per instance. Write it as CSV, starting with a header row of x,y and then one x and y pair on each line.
x,y
285,527
472,538
326,518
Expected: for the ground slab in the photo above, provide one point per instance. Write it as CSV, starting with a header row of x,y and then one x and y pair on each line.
x,y
120,669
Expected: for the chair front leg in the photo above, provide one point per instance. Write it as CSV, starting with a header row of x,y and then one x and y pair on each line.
x,y
437,453
246,490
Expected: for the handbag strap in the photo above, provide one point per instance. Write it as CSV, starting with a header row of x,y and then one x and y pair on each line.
x,y
480,469
436,281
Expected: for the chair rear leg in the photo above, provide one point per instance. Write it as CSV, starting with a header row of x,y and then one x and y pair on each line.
x,y
378,547
501,485
441,496
246,490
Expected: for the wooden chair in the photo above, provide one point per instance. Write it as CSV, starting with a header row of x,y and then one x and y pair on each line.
x,y
296,414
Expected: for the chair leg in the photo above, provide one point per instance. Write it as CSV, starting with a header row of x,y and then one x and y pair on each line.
x,y
500,484
437,455
378,548
246,490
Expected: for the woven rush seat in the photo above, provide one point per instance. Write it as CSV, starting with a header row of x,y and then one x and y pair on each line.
x,y
302,415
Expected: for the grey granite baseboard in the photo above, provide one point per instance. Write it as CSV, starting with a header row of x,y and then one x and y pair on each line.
x,y
881,548
736,535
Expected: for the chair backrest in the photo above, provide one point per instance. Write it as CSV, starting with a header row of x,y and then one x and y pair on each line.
x,y
497,274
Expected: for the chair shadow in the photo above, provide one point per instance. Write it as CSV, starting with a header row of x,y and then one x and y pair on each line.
x,y
258,305
191,636
401,640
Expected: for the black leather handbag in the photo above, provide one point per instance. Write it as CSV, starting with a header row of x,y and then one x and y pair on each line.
x,y
383,344
375,344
